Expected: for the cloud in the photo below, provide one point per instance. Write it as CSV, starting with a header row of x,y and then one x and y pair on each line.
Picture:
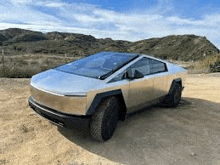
x,y
21,2
50,4
94,20
24,14
55,5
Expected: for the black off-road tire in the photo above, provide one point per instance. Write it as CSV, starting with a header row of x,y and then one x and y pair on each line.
x,y
104,120
174,97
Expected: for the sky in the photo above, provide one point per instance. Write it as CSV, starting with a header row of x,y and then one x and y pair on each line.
x,y
130,20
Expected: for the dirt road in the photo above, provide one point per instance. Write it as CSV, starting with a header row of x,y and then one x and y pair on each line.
x,y
188,134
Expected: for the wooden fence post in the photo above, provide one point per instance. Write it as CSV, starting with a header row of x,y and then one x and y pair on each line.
x,y
3,63
65,58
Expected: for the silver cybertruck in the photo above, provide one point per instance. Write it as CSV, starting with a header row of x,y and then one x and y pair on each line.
x,y
98,90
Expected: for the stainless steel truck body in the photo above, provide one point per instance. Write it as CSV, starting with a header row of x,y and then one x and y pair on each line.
x,y
103,88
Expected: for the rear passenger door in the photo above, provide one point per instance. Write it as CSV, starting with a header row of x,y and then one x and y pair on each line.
x,y
160,73
145,91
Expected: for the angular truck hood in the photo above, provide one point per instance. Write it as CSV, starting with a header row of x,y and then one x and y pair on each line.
x,y
64,83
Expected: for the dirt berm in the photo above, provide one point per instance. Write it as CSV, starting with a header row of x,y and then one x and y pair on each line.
x,y
188,134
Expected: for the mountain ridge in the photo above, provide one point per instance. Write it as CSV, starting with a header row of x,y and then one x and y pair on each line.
x,y
174,47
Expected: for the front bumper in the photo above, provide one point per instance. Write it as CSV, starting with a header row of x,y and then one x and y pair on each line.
x,y
58,118
73,105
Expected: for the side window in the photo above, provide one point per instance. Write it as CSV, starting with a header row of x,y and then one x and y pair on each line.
x,y
157,66
143,66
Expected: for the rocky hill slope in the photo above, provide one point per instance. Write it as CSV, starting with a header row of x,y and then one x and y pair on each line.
x,y
176,47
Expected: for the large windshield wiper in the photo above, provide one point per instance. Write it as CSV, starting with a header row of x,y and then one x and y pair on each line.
x,y
103,77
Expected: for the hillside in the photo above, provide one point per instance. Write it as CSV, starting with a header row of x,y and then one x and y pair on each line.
x,y
176,47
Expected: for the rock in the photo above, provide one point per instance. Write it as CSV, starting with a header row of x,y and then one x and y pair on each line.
x,y
193,154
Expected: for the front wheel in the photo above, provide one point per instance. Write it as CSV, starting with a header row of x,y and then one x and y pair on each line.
x,y
104,120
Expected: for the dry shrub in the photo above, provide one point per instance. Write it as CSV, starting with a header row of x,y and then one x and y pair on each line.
x,y
18,72
21,62
208,65
29,65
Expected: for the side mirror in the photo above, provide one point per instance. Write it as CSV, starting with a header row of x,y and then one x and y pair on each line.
x,y
136,74
129,74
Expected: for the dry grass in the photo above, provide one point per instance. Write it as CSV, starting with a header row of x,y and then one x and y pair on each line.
x,y
208,65
25,66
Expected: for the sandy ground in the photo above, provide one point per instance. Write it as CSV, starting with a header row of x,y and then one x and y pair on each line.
x,y
188,134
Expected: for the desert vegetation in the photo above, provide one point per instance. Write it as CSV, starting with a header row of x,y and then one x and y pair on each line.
x,y
208,65
25,66
25,52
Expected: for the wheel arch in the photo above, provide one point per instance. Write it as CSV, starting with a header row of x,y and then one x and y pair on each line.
x,y
101,96
166,100
178,81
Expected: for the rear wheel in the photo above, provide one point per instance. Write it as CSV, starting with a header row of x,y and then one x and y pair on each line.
x,y
104,120
175,95
173,99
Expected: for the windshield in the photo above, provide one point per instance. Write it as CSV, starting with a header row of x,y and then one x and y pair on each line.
x,y
98,65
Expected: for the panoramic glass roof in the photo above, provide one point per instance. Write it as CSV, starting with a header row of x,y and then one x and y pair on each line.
x,y
100,65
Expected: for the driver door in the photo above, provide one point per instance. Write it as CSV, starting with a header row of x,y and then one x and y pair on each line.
x,y
141,90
